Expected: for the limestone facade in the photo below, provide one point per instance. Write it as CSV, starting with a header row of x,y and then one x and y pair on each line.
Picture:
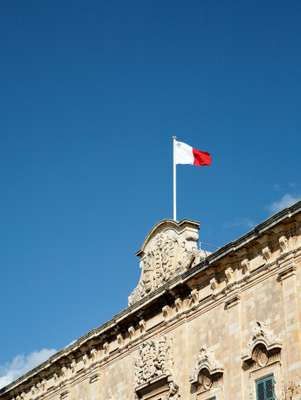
x,y
198,327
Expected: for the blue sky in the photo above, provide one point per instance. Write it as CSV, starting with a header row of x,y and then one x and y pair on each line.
x,y
91,94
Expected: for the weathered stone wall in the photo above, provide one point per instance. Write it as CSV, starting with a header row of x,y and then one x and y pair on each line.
x,y
213,333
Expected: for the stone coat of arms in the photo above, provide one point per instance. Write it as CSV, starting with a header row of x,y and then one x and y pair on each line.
x,y
170,249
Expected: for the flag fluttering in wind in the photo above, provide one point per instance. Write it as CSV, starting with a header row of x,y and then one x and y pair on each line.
x,y
185,154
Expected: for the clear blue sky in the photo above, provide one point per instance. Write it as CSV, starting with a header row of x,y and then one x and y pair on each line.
x,y
91,93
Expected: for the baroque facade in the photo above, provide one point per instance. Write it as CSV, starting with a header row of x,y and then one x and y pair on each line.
x,y
198,326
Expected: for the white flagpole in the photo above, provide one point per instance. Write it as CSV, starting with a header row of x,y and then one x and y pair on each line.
x,y
174,172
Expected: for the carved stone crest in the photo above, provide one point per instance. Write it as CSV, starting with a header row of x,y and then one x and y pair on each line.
x,y
206,371
154,362
169,249
262,345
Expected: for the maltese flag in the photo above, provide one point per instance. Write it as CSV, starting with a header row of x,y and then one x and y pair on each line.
x,y
185,154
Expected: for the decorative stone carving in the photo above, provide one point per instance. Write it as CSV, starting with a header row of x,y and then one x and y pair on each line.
x,y
266,252
193,298
166,312
213,285
120,340
131,331
93,355
206,371
229,274
106,348
178,304
73,366
245,265
283,243
173,393
85,359
142,325
262,344
169,250
154,363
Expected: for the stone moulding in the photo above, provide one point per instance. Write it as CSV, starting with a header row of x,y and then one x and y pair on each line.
x,y
261,346
206,363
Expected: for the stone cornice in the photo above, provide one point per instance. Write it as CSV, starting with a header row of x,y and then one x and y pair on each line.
x,y
171,288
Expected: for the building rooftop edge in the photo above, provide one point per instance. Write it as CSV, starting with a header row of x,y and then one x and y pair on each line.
x,y
217,255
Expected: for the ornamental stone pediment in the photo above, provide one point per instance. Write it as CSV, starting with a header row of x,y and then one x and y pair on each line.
x,y
170,249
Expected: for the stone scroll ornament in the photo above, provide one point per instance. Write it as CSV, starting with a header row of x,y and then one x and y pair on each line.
x,y
262,344
169,250
206,370
154,362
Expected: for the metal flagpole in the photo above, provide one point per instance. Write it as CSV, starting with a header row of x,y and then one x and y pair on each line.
x,y
174,171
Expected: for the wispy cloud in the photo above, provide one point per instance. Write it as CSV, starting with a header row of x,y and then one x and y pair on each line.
x,y
243,223
285,201
21,364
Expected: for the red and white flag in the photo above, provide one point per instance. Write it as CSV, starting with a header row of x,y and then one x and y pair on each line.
x,y
185,154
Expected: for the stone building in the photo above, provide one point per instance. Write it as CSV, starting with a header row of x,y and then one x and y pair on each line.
x,y
199,326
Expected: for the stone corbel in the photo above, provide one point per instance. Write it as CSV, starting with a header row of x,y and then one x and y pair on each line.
x,y
93,355
120,340
266,253
206,371
229,275
283,243
262,345
178,304
106,348
213,286
245,266
55,378
194,298
166,310
131,331
85,359
142,326
73,366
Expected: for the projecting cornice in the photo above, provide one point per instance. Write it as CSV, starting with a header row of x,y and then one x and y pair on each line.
x,y
133,318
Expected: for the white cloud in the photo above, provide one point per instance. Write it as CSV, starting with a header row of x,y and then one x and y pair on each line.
x,y
21,364
285,201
